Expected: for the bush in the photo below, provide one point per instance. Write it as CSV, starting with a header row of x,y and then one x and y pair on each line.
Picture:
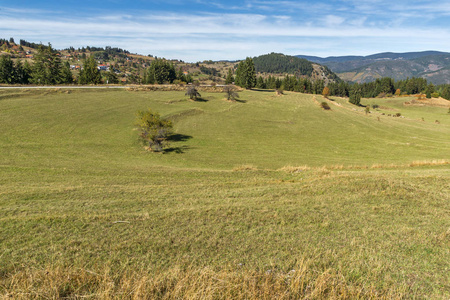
x,y
435,95
153,131
325,106
375,106
398,114
192,92
230,92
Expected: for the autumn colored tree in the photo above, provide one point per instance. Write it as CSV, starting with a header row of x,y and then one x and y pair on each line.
x,y
326,92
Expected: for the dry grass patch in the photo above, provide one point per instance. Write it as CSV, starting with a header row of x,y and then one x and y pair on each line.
x,y
186,283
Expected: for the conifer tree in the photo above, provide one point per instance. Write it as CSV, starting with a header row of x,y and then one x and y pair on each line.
x,y
90,73
65,73
6,69
246,74
230,77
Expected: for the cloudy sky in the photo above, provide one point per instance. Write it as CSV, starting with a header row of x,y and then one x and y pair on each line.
x,y
197,30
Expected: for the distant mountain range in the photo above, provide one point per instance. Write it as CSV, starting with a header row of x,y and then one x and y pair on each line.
x,y
431,65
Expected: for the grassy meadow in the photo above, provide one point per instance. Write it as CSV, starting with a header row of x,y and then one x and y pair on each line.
x,y
268,197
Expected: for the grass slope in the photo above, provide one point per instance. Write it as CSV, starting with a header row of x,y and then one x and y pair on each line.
x,y
85,211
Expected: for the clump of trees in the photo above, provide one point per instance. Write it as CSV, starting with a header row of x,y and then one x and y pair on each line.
x,y
14,73
162,71
47,69
90,73
153,130
245,74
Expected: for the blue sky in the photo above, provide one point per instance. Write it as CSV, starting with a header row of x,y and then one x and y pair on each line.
x,y
197,30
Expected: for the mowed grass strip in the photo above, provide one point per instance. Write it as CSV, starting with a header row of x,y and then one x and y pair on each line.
x,y
120,221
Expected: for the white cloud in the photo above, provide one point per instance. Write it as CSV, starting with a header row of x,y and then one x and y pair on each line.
x,y
331,20
201,36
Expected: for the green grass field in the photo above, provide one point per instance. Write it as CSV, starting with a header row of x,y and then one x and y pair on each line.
x,y
268,197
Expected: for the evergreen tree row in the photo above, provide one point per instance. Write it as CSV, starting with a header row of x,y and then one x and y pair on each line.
x,y
385,86
48,69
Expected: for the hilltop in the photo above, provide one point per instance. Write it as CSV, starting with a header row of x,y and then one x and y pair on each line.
x,y
431,65
281,64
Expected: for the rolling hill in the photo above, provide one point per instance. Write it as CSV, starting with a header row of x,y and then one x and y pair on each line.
x,y
266,196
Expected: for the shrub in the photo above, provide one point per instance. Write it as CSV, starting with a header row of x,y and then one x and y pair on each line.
x,y
230,92
325,106
153,131
398,114
367,109
435,95
375,106
192,92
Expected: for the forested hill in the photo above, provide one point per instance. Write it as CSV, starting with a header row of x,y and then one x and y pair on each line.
x,y
280,63
277,63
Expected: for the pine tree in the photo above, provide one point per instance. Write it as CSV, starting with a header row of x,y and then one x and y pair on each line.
x,y
22,72
260,84
90,73
47,66
65,74
246,74
111,77
230,77
6,69
161,71
355,95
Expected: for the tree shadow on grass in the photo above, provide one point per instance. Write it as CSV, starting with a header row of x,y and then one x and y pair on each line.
x,y
178,150
177,137
200,100
263,90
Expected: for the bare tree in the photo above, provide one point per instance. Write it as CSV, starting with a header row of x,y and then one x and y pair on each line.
x,y
230,92
192,92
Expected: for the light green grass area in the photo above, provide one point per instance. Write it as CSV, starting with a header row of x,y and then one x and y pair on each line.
x,y
78,192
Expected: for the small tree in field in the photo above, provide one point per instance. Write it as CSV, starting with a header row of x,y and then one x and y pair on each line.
x,y
192,92
326,92
153,131
231,93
